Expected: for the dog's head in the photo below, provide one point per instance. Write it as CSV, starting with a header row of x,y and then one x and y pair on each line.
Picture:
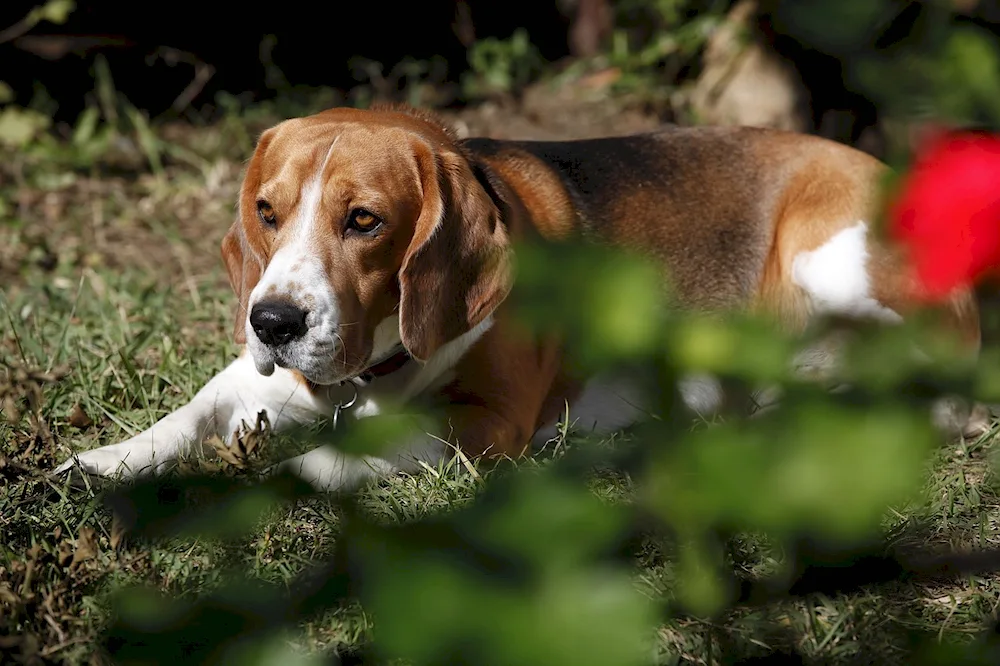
x,y
359,230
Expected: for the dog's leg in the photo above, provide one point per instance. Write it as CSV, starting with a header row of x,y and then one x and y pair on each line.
x,y
329,470
235,395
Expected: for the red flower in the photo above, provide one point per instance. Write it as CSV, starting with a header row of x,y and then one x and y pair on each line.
x,y
947,212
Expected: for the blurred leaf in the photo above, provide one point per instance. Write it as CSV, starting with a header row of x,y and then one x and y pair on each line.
x,y
967,78
430,614
932,651
6,93
86,125
104,86
749,347
523,576
552,522
608,304
274,652
700,588
212,506
817,467
957,80
376,435
148,140
19,127
987,379
502,65
54,11
924,350
838,28
151,628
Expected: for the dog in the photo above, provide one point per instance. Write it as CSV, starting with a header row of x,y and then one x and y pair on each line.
x,y
371,260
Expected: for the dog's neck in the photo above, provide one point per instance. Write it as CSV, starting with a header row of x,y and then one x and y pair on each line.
x,y
387,366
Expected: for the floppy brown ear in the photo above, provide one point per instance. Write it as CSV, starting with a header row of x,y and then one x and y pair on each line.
x,y
243,264
456,270
244,270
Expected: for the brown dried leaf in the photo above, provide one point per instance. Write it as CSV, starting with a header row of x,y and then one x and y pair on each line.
x,y
10,410
65,554
79,418
118,531
244,443
229,454
7,595
86,546
249,443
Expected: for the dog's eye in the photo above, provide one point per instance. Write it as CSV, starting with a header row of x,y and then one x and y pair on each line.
x,y
266,213
363,221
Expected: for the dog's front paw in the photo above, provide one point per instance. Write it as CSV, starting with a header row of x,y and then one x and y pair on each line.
x,y
328,470
128,460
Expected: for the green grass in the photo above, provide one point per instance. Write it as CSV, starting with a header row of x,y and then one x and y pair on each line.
x,y
115,306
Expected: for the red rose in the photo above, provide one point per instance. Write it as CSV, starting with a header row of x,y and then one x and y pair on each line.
x,y
947,212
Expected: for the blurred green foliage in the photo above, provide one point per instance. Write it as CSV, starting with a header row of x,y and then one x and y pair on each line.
x,y
501,66
914,61
20,126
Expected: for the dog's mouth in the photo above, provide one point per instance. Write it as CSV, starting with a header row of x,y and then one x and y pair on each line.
x,y
265,361
318,368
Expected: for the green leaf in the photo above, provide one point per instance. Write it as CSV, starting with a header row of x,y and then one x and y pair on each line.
x,y
837,28
225,508
56,11
19,127
521,577
750,347
86,126
608,305
429,612
699,586
375,435
148,141
552,523
815,467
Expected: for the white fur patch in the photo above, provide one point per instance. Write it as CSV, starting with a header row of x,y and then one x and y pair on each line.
x,y
605,405
385,339
702,393
609,404
329,470
835,275
438,368
296,273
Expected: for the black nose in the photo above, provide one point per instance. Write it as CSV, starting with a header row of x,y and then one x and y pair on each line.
x,y
277,323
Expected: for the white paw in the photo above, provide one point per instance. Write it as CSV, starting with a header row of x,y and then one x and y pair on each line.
x,y
130,459
328,470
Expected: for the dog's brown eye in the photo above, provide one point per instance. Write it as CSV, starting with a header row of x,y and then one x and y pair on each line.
x,y
363,220
266,213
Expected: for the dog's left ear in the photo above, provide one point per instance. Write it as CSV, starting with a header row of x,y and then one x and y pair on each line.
x,y
457,268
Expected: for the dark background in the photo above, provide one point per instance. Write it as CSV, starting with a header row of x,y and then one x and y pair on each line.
x,y
262,51
313,43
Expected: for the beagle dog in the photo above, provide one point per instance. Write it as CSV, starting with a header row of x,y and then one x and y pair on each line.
x,y
372,258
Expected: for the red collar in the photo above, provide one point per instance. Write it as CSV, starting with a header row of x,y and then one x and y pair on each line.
x,y
386,366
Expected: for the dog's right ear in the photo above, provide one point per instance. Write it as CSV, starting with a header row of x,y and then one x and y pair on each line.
x,y
244,269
